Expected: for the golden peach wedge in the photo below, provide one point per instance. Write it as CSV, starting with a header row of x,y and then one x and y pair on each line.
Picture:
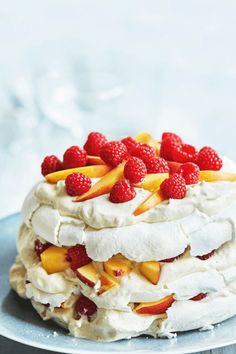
x,y
89,171
94,160
88,274
54,259
104,185
152,181
156,307
146,138
151,270
117,266
214,176
150,202
107,283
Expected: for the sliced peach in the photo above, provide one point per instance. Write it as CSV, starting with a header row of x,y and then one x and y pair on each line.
x,y
117,266
152,181
150,202
156,307
89,171
104,185
174,166
54,259
150,270
213,176
107,283
88,274
146,138
95,160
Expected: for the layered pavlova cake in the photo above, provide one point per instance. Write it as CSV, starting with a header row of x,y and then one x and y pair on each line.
x,y
130,237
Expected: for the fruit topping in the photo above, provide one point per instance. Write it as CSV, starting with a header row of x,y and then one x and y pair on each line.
x,y
150,270
174,187
157,165
171,136
156,307
144,152
113,153
94,160
184,153
94,142
174,166
77,184
199,297
213,176
122,191
190,172
39,246
54,259
150,202
104,185
146,138
117,266
208,159
170,260
152,181
50,164
167,146
74,157
206,256
85,306
135,170
130,144
107,283
88,274
77,256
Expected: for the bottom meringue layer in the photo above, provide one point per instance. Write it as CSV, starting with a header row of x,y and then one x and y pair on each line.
x,y
111,325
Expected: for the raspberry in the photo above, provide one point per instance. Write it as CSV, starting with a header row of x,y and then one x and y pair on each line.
x,y
77,256
171,136
77,184
130,144
50,164
94,142
39,246
167,147
157,165
206,256
85,306
198,297
113,153
208,159
122,191
190,172
170,260
174,187
74,157
184,153
135,170
144,152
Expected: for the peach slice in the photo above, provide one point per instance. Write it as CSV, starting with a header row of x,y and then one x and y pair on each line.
x,y
89,171
117,266
174,166
95,160
156,307
146,138
104,185
54,259
214,176
152,181
88,274
150,202
150,270
107,283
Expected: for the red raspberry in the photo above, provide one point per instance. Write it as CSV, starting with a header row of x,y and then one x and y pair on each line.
x,y
77,256
171,136
122,191
74,157
113,153
144,152
198,297
39,246
206,256
135,170
50,164
77,184
170,260
130,144
190,172
184,153
85,306
174,187
167,147
208,159
94,142
157,165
